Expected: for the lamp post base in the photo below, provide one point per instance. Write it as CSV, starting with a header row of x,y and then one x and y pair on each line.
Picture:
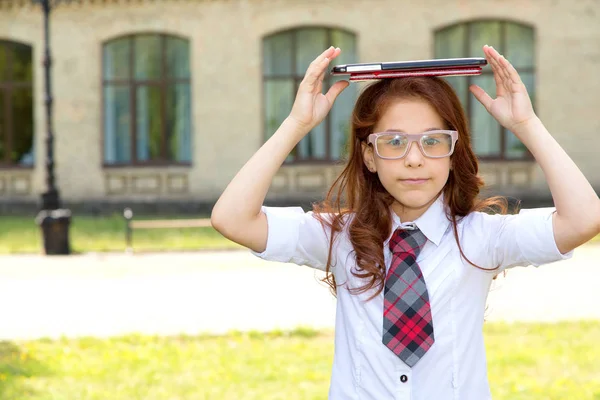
x,y
55,230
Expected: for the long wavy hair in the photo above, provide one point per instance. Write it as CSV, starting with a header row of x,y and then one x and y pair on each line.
x,y
359,192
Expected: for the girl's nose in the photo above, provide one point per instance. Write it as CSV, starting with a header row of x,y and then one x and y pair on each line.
x,y
414,157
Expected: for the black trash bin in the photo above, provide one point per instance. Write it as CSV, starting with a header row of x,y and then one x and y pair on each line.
x,y
55,230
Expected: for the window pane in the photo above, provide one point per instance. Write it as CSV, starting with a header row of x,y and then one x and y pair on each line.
x,y
22,132
484,128
347,42
481,33
3,62
21,63
313,145
450,42
149,123
178,122
148,57
117,124
461,86
310,42
340,121
277,54
519,46
116,59
514,148
339,117
178,58
279,97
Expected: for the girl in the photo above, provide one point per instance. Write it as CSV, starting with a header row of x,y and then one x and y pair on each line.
x,y
405,243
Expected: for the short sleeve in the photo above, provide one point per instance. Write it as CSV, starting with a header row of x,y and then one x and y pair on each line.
x,y
295,236
522,239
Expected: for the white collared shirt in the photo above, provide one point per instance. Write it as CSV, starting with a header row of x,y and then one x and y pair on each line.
x,y
455,366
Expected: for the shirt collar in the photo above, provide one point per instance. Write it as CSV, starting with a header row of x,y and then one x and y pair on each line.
x,y
433,223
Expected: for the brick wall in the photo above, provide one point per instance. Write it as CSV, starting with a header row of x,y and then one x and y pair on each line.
x,y
225,45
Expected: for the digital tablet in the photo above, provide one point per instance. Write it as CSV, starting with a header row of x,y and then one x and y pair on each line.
x,y
456,64
458,71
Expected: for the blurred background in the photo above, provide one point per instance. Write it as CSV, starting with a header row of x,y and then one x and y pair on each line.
x,y
159,103
156,104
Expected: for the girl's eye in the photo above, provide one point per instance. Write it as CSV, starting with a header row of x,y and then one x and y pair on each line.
x,y
397,141
431,142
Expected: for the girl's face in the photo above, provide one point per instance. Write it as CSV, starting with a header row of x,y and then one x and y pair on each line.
x,y
415,180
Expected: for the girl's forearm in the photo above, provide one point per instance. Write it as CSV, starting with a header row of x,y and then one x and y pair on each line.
x,y
241,201
236,215
577,217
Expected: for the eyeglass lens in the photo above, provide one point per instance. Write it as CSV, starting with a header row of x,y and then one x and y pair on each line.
x,y
396,145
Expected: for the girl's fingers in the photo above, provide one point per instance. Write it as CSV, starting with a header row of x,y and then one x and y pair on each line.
x,y
500,90
496,66
320,83
504,67
511,72
495,61
320,80
500,68
323,55
512,80
507,78
335,90
317,68
482,96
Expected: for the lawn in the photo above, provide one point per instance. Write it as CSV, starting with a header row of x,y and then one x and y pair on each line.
x,y
526,361
22,235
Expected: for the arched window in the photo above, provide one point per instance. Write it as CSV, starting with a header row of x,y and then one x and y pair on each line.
x,y
16,104
517,43
147,101
286,56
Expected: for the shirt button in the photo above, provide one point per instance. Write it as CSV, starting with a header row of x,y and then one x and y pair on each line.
x,y
403,378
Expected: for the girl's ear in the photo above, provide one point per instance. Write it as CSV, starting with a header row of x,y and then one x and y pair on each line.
x,y
368,157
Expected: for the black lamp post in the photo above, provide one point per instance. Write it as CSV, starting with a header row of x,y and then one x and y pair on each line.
x,y
53,220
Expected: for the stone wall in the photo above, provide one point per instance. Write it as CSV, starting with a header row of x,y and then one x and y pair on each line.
x,y
225,45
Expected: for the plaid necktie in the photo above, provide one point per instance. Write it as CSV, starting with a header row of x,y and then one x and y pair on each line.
x,y
407,322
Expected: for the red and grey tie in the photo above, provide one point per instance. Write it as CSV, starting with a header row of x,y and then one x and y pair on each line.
x,y
407,321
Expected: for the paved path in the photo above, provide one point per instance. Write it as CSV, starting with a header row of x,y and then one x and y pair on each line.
x,y
171,293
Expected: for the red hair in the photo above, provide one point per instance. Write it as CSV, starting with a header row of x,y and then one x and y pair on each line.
x,y
357,191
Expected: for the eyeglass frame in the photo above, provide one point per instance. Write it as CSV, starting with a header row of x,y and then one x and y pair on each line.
x,y
412,137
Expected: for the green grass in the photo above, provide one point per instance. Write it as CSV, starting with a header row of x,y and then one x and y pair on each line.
x,y
526,361
22,235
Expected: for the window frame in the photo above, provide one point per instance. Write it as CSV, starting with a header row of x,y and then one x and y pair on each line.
x,y
6,88
468,24
133,84
297,79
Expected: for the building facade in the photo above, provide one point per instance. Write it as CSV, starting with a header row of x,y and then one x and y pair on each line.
x,y
161,102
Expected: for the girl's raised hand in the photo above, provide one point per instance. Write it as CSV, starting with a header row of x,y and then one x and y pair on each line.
x,y
311,105
512,106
